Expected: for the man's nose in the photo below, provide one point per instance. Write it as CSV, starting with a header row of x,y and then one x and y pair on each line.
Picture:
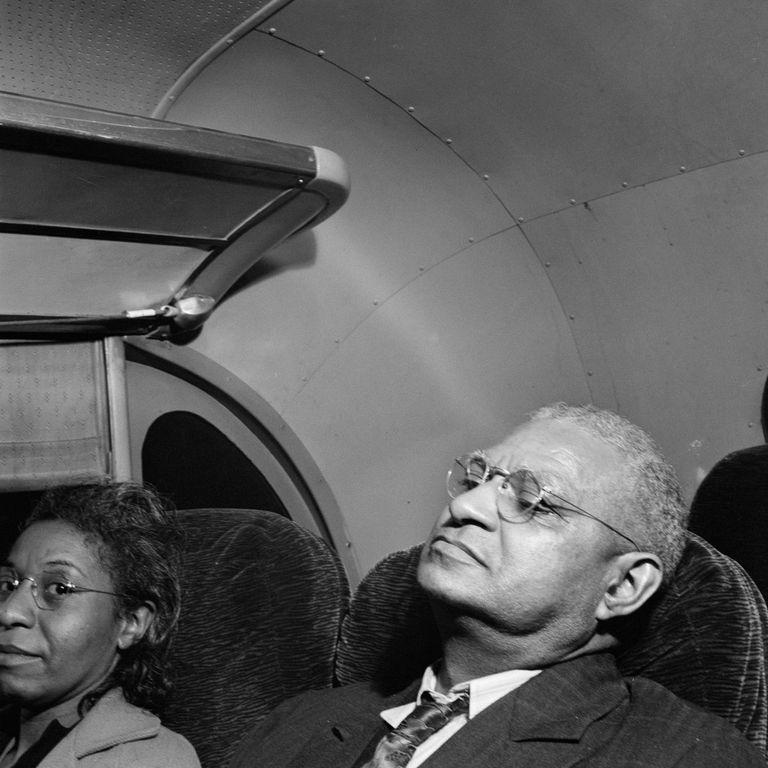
x,y
477,506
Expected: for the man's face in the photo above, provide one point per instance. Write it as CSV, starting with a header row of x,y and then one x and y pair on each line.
x,y
545,577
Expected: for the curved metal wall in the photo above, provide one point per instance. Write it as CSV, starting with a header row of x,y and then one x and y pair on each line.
x,y
414,324
549,200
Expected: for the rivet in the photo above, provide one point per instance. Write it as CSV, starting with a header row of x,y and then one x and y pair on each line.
x,y
471,239
547,264
485,177
572,201
589,373
742,153
682,169
421,269
230,41
759,367
521,219
348,545
300,181
625,184
375,302
271,30
321,52
411,109
449,141
171,98
750,425
367,79
572,317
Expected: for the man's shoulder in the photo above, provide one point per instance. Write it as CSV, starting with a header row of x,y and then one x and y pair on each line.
x,y
318,721
678,726
651,699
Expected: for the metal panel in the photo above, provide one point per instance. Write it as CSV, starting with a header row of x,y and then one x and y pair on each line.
x,y
109,53
413,204
450,363
666,286
413,324
556,100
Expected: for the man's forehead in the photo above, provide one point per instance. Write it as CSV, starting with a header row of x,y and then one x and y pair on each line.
x,y
557,449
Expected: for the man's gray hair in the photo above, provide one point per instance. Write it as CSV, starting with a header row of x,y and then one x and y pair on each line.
x,y
649,488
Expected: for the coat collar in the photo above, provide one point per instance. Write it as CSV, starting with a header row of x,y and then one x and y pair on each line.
x,y
542,722
111,721
561,702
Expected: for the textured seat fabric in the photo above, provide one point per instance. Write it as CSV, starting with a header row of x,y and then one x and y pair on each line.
x,y
730,510
704,639
262,605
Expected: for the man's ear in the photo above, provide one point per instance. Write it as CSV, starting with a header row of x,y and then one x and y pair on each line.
x,y
633,579
134,625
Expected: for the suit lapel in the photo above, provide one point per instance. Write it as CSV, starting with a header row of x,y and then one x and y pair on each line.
x,y
348,732
542,723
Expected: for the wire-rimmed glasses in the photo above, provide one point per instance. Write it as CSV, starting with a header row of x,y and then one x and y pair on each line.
x,y
50,589
519,496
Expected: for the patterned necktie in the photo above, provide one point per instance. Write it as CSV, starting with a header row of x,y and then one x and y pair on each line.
x,y
397,747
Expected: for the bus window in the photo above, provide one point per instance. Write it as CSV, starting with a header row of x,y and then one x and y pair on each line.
x,y
193,464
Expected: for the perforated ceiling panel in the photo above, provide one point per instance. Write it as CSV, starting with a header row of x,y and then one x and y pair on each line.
x,y
109,54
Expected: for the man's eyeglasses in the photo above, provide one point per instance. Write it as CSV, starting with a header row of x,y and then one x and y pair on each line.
x,y
50,590
519,496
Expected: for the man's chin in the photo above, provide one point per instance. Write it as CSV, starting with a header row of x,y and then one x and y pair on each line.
x,y
440,582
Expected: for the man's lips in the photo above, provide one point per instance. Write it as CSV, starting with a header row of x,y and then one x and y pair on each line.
x,y
14,650
460,545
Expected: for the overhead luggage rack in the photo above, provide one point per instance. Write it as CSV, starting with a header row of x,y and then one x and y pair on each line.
x,y
113,223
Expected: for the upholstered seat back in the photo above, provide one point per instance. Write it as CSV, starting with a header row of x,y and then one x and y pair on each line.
x,y
262,605
730,510
704,639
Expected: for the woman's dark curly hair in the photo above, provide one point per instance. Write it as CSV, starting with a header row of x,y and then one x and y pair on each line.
x,y
137,539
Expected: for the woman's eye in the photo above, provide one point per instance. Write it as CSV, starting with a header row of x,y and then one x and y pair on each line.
x,y
58,588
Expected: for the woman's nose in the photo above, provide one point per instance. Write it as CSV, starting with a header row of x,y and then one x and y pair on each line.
x,y
477,506
19,607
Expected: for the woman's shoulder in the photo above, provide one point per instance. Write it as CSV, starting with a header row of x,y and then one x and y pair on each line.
x,y
171,750
131,736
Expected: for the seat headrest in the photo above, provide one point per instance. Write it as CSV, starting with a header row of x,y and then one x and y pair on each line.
x,y
262,602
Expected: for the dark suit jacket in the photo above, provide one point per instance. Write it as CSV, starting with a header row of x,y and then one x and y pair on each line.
x,y
577,713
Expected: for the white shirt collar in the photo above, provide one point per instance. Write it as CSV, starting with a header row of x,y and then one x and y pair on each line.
x,y
483,691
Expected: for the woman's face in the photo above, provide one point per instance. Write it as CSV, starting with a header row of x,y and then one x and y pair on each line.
x,y
48,657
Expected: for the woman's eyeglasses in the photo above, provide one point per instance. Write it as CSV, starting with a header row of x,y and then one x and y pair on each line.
x,y
50,590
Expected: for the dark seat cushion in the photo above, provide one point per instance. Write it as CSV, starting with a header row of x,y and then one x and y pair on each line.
x,y
730,510
262,605
704,638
